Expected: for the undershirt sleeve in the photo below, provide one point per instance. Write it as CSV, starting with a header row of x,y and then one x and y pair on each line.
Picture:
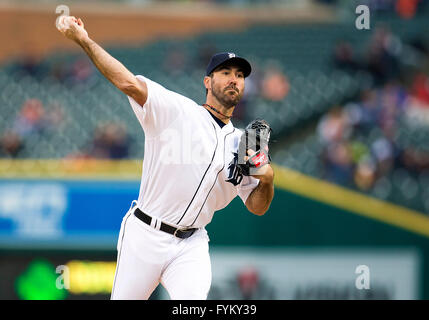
x,y
245,188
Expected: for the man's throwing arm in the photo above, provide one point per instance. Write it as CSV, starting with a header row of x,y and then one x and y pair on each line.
x,y
112,69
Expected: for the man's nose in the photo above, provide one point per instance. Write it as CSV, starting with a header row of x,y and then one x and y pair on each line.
x,y
233,79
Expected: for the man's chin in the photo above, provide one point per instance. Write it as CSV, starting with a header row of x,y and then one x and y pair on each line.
x,y
229,100
233,99
229,103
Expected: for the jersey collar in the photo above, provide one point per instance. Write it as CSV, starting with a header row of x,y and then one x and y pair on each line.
x,y
219,122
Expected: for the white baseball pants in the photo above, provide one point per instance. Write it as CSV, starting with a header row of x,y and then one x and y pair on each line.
x,y
147,257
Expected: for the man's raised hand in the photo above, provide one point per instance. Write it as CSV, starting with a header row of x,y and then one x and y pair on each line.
x,y
72,28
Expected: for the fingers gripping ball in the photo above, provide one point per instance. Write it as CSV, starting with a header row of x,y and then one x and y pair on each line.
x,y
256,137
63,23
72,28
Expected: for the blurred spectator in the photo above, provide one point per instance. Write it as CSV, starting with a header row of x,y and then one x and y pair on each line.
x,y
246,284
365,174
275,84
33,119
338,165
369,139
251,286
81,72
383,151
30,119
333,127
11,144
420,88
382,57
248,280
59,71
344,57
29,63
366,112
392,98
333,130
359,151
74,72
110,141
415,159
406,8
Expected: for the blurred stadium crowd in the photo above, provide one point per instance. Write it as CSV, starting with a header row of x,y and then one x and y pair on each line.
x,y
355,102
380,138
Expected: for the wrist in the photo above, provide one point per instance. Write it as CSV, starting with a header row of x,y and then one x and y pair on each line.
x,y
83,41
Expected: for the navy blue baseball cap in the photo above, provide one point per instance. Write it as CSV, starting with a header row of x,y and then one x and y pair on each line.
x,y
220,58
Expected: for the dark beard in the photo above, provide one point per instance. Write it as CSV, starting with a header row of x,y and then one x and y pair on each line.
x,y
225,99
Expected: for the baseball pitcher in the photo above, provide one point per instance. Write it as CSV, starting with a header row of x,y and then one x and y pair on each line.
x,y
195,163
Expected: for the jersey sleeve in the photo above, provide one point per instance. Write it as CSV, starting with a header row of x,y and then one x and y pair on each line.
x,y
162,107
245,188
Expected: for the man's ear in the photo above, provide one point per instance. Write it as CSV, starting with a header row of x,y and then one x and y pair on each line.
x,y
207,82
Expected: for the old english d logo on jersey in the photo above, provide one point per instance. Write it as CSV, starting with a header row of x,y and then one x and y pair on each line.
x,y
234,175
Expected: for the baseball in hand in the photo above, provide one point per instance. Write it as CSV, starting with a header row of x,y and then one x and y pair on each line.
x,y
71,27
63,23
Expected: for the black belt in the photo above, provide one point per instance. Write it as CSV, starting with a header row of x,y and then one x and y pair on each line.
x,y
180,233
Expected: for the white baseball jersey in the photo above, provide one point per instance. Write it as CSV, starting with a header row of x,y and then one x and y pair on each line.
x,y
188,159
